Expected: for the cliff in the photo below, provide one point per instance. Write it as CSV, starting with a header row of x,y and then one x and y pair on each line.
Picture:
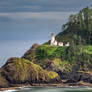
x,y
23,71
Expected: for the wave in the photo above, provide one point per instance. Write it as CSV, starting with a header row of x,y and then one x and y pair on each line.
x,y
50,89
8,90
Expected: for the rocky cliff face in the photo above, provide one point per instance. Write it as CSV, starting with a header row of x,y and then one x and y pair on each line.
x,y
3,81
22,71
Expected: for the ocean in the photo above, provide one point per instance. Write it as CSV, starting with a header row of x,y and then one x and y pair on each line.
x,y
52,89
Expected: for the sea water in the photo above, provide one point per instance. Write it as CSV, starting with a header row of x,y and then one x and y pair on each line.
x,y
52,89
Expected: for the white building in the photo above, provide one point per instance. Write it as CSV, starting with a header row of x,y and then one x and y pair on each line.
x,y
60,44
53,41
67,44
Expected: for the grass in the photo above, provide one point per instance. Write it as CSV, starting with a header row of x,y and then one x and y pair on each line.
x,y
47,51
88,49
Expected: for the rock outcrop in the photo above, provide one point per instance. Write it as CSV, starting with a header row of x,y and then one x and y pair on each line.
x,y
22,71
3,82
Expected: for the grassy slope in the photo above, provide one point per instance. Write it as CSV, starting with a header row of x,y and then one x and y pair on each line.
x,y
88,49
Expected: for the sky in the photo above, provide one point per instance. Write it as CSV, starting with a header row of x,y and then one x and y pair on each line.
x,y
25,22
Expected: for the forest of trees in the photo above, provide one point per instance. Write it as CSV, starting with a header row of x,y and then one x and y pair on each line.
x,y
80,25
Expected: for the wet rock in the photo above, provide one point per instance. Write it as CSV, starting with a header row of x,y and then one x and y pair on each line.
x,y
78,76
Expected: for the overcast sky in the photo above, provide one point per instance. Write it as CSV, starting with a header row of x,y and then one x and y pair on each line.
x,y
24,22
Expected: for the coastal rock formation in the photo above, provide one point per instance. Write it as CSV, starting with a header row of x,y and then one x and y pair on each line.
x,y
22,71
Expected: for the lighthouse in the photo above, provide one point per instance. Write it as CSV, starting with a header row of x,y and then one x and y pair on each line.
x,y
53,41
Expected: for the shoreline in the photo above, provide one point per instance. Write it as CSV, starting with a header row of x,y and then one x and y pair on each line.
x,y
19,86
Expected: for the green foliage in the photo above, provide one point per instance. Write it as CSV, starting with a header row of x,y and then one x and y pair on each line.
x,y
45,51
65,53
60,52
88,49
78,28
48,52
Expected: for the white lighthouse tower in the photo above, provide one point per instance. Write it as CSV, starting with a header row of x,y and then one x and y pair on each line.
x,y
53,41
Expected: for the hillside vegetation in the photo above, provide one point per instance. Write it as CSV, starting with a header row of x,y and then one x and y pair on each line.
x,y
78,29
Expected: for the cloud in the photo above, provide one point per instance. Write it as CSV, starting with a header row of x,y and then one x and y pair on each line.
x,y
27,25
42,5
32,21
38,15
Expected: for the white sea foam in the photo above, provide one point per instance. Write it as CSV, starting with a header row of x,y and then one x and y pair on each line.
x,y
19,88
8,90
51,89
